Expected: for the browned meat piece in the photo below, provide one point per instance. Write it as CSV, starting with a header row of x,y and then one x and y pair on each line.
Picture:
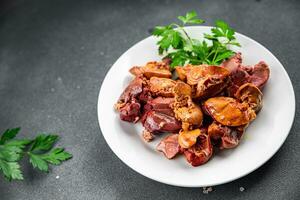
x,y
214,80
148,137
250,94
229,111
201,152
184,108
198,73
156,122
169,146
233,63
209,87
182,89
182,71
162,86
187,138
228,137
205,80
128,105
153,69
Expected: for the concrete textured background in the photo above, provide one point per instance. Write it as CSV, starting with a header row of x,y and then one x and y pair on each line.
x,y
54,55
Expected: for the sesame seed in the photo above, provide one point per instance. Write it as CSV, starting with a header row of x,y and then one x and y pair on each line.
x,y
57,177
242,189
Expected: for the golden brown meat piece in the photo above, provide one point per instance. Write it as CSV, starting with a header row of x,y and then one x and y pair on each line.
x,y
250,94
182,71
207,80
228,111
184,108
186,139
213,80
153,69
162,86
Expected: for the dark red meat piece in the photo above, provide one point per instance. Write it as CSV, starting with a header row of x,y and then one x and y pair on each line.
x,y
156,122
128,105
145,95
201,152
130,112
238,78
226,137
233,63
259,74
160,104
134,88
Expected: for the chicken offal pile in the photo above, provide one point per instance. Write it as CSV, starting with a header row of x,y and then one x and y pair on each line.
x,y
204,109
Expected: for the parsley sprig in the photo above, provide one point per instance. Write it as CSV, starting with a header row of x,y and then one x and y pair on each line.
x,y
41,153
176,44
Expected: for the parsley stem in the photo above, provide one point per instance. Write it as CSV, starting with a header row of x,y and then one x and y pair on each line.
x,y
216,52
210,53
185,33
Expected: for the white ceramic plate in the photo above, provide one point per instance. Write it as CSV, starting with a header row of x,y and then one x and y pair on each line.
x,y
261,141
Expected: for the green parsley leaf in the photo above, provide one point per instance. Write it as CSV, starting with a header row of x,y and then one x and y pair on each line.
x,y
178,58
159,30
40,152
10,153
196,21
183,19
9,134
188,50
170,38
224,55
56,156
191,15
11,170
38,162
43,142
190,18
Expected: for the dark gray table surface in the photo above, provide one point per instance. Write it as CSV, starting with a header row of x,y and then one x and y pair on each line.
x,y
54,55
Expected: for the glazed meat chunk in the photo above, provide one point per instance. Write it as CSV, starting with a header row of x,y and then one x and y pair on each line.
x,y
206,80
153,69
228,111
162,86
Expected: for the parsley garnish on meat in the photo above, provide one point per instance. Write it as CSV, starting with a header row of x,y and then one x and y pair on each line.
x,y
41,153
175,43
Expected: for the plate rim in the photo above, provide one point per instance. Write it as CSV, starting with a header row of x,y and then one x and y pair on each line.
x,y
289,124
